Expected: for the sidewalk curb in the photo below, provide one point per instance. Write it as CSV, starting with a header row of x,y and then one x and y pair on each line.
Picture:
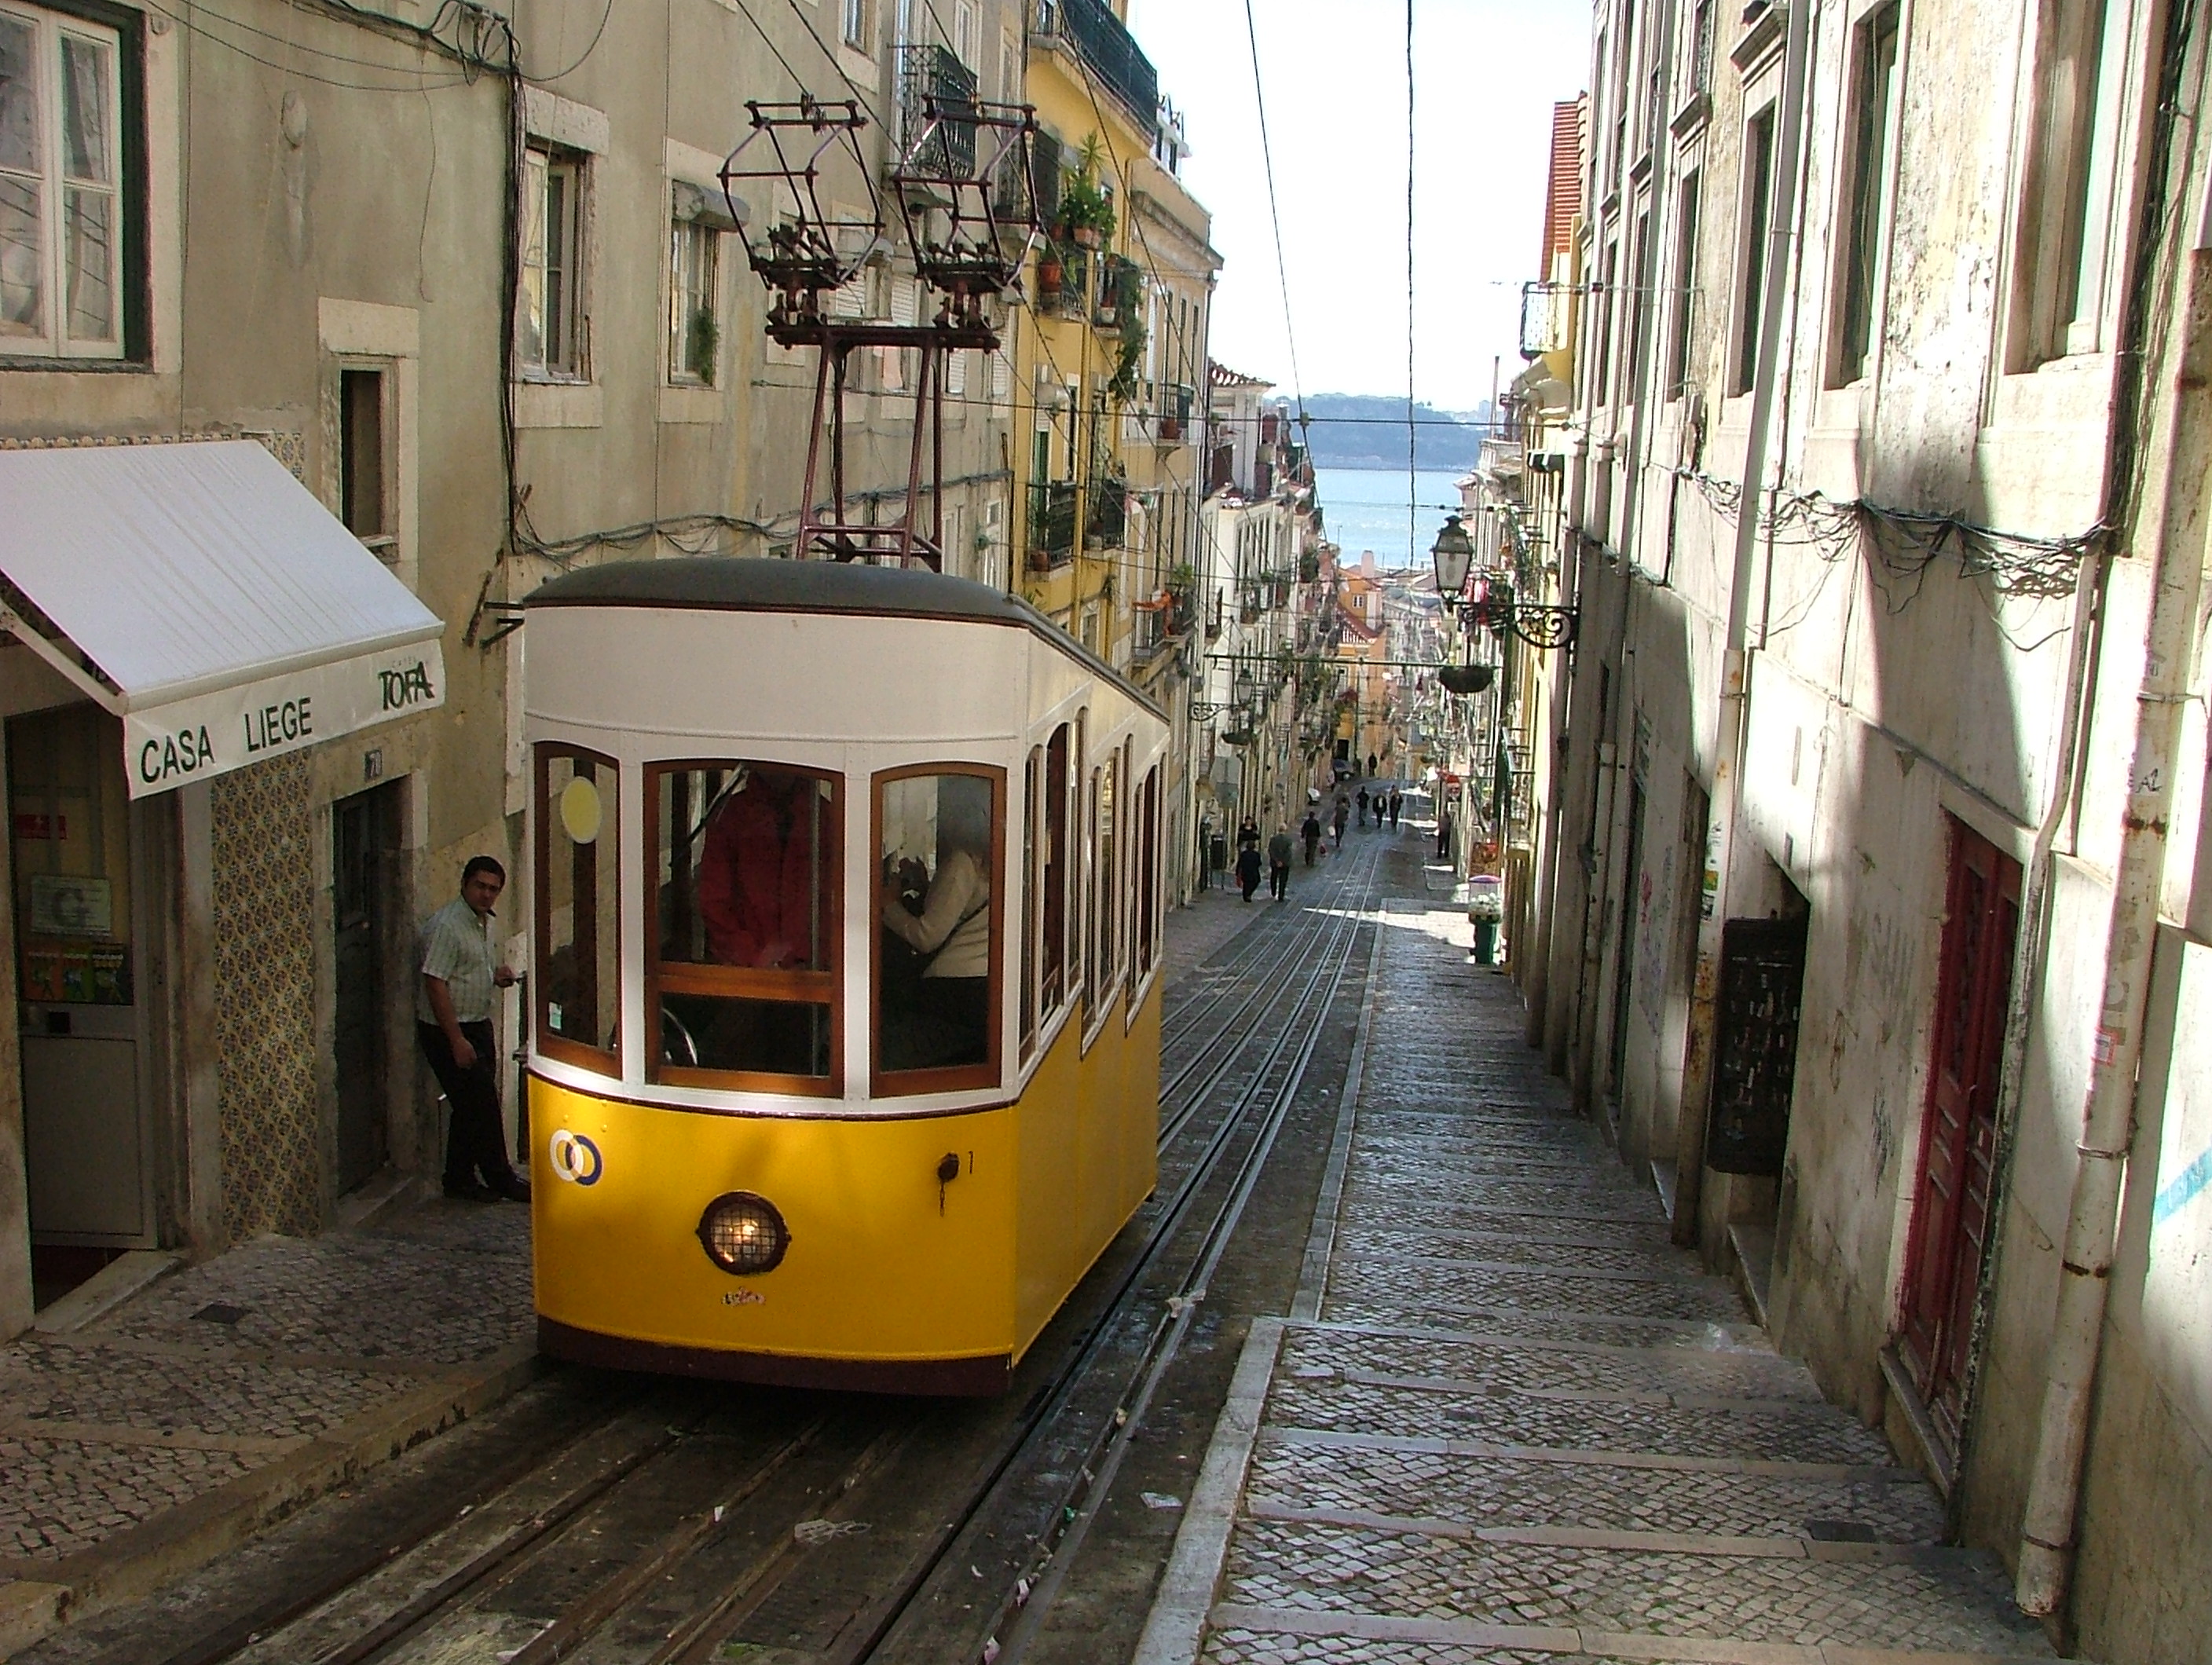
x,y
1177,1622
133,1562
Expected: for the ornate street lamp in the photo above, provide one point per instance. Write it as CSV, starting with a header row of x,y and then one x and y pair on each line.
x,y
1453,552
1494,604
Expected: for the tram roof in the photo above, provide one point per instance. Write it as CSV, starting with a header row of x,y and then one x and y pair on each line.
x,y
751,584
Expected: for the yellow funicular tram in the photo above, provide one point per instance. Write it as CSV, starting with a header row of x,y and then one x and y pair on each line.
x,y
845,1058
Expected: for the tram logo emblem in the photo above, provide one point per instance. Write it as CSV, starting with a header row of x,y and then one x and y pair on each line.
x,y
576,1159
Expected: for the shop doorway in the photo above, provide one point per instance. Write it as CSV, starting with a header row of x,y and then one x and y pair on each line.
x,y
1959,1136
86,1133
364,832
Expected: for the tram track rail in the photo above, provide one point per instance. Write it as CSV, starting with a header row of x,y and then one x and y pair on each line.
x,y
1261,1050
1030,1598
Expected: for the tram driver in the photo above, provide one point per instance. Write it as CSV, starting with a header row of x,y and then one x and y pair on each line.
x,y
939,1019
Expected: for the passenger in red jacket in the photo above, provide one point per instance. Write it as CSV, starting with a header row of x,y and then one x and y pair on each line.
x,y
759,888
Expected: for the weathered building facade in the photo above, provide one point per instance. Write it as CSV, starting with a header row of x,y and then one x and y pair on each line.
x,y
204,246
1875,922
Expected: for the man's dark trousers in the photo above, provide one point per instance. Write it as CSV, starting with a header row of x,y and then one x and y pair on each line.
x,y
474,1138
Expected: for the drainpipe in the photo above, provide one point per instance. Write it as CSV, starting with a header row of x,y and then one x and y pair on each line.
x,y
2046,1549
1728,749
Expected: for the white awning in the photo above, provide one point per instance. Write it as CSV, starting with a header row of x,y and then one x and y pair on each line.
x,y
204,595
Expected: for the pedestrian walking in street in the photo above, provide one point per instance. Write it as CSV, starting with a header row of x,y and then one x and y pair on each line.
x,y
452,1010
1279,864
1343,815
1248,870
1363,806
1312,834
1444,832
1247,835
1397,803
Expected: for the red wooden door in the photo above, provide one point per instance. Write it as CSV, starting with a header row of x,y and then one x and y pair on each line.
x,y
1958,1148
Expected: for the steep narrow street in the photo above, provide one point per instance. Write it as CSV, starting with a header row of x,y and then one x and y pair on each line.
x,y
1518,1424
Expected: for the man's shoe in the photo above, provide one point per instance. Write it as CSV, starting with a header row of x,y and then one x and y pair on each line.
x,y
467,1190
516,1189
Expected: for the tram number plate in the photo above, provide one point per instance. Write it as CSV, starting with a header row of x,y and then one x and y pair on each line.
x,y
743,1298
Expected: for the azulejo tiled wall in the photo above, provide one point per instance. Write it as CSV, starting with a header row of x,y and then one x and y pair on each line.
x,y
265,998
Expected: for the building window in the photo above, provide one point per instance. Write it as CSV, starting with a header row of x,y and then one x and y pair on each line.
x,y
1636,347
694,333
579,981
1758,199
1873,97
858,21
548,322
937,842
1602,335
61,200
743,933
365,482
963,32
1685,286
2050,318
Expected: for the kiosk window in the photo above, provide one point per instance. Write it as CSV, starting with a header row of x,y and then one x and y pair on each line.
x,y
938,858
579,904
742,956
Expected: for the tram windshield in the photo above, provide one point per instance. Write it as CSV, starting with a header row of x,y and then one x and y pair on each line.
x,y
936,1003
746,924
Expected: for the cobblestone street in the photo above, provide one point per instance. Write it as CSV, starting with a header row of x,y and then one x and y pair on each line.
x,y
1508,1421
170,1427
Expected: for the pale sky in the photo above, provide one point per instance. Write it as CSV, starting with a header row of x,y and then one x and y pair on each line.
x,y
1486,73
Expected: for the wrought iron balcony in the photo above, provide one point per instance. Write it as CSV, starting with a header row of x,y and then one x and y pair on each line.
x,y
1103,43
1052,523
1109,519
932,80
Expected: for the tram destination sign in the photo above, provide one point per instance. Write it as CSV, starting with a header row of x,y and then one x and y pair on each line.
x,y
170,745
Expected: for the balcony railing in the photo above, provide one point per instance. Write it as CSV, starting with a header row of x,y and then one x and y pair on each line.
x,y
1052,523
1109,519
933,78
1120,293
1102,41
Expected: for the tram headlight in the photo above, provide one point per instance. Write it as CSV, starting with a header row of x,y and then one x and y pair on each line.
x,y
743,1234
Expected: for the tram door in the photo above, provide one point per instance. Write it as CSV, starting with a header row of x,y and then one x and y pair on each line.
x,y
363,830
87,1141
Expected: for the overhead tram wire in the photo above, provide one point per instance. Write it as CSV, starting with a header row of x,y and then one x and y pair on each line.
x,y
1274,214
1413,436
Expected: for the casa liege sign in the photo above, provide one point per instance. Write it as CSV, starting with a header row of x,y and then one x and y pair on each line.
x,y
167,746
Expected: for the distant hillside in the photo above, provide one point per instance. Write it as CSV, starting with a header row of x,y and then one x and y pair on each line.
x,y
1362,430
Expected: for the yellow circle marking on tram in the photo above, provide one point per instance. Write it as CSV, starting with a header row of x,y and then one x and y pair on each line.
x,y
581,811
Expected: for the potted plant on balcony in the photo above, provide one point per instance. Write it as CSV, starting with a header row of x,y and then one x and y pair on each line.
x,y
1123,386
1051,271
1086,211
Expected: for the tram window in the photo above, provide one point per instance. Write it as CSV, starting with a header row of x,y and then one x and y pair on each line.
x,y
742,965
1148,862
1032,804
1092,935
1052,985
938,855
579,892
1104,957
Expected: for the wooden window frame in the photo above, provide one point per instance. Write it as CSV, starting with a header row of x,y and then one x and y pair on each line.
x,y
959,1077
1864,192
740,981
1053,849
600,1061
1032,897
1144,889
1754,229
